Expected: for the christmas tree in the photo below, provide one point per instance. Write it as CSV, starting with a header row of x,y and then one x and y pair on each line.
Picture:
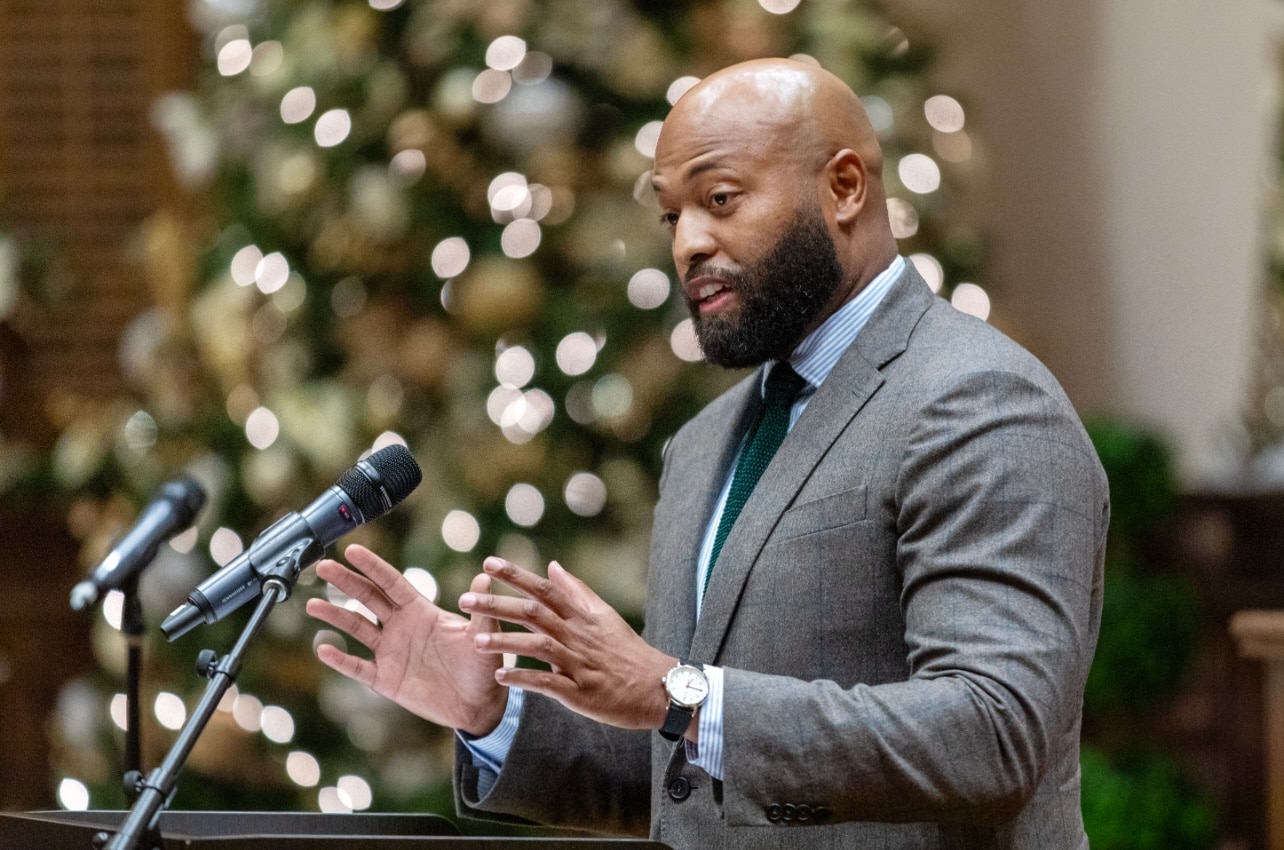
x,y
429,223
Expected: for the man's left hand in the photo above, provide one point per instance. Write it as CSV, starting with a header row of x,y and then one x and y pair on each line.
x,y
601,668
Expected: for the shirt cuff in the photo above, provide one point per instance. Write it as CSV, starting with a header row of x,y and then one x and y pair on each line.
x,y
490,751
707,755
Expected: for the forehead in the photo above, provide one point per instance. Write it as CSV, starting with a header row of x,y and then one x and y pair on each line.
x,y
737,143
744,121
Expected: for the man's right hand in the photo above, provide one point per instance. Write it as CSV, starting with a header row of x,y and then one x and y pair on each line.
x,y
425,658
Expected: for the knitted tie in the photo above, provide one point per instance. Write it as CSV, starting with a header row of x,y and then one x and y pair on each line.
x,y
765,437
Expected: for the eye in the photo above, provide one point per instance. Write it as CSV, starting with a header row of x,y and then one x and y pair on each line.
x,y
669,219
720,199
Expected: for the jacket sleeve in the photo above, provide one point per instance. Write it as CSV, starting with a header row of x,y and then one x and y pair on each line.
x,y
563,770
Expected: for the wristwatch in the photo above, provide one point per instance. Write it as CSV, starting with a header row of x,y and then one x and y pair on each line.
x,y
687,687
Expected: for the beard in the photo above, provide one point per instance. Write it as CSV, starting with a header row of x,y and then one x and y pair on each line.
x,y
780,296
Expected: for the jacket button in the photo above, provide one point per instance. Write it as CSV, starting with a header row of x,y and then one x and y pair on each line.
x,y
819,813
803,813
680,789
774,812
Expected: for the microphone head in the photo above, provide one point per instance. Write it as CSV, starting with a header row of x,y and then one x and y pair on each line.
x,y
187,496
381,480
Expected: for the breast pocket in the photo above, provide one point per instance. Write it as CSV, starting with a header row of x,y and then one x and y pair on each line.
x,y
824,512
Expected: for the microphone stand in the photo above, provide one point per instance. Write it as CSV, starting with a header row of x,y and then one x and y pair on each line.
x,y
131,626
141,829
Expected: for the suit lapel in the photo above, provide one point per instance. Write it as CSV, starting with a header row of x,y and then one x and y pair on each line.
x,y
681,518
854,380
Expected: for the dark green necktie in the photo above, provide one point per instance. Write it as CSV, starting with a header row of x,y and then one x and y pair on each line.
x,y
765,437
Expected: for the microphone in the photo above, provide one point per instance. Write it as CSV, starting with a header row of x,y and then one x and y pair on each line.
x,y
366,491
172,511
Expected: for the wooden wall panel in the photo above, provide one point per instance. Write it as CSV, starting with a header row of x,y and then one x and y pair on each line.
x,y
80,166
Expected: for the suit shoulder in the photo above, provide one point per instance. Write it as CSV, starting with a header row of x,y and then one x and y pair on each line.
x,y
949,342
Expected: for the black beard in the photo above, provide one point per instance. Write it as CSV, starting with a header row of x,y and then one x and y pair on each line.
x,y
780,295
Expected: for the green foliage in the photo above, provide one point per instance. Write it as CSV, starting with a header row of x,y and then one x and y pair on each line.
x,y
1149,632
1141,801
1150,622
1143,485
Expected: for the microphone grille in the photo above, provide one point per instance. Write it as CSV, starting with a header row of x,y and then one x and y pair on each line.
x,y
381,480
187,494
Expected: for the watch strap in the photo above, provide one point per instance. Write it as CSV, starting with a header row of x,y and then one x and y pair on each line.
x,y
676,721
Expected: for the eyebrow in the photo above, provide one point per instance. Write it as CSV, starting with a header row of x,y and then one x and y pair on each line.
x,y
696,170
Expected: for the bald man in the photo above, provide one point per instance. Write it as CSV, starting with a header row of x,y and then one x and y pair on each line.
x,y
882,641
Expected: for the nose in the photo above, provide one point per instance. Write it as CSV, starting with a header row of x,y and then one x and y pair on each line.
x,y
693,241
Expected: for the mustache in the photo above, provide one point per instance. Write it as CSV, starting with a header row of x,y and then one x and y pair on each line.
x,y
711,270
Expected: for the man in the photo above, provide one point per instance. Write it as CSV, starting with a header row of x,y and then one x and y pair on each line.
x,y
887,647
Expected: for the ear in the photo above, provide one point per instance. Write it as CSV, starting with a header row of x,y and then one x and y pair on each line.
x,y
849,185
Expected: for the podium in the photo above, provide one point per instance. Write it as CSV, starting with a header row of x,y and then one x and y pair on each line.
x,y
180,830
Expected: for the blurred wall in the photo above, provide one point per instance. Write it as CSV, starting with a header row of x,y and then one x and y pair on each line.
x,y
1123,145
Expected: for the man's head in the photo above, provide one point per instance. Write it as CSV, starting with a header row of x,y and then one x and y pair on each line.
x,y
768,174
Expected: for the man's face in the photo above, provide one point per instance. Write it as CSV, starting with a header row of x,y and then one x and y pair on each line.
x,y
780,294
750,242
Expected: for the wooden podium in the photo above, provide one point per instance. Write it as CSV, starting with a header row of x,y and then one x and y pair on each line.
x,y
286,831
1260,634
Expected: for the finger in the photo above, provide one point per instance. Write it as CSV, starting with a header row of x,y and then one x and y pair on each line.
x,y
355,625
576,590
519,610
540,681
478,621
526,644
534,586
357,587
358,669
384,575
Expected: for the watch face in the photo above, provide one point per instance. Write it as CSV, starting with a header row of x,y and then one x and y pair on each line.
x,y
687,686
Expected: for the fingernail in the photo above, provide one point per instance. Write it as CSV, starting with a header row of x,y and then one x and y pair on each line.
x,y
468,600
482,640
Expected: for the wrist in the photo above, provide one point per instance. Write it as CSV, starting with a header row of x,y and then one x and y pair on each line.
x,y
487,717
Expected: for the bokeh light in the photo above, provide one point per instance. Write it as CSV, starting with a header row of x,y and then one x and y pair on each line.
x,y
450,257
944,113
505,53
460,531
225,544
170,710
576,353
930,268
919,173
332,127
524,504
585,494
514,367
73,795
648,289
303,768
298,104
277,724
971,299
684,343
262,428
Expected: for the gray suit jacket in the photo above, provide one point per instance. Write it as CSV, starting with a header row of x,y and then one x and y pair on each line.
x,y
905,610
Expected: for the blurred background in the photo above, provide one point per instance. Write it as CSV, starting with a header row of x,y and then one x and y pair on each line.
x,y
250,240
